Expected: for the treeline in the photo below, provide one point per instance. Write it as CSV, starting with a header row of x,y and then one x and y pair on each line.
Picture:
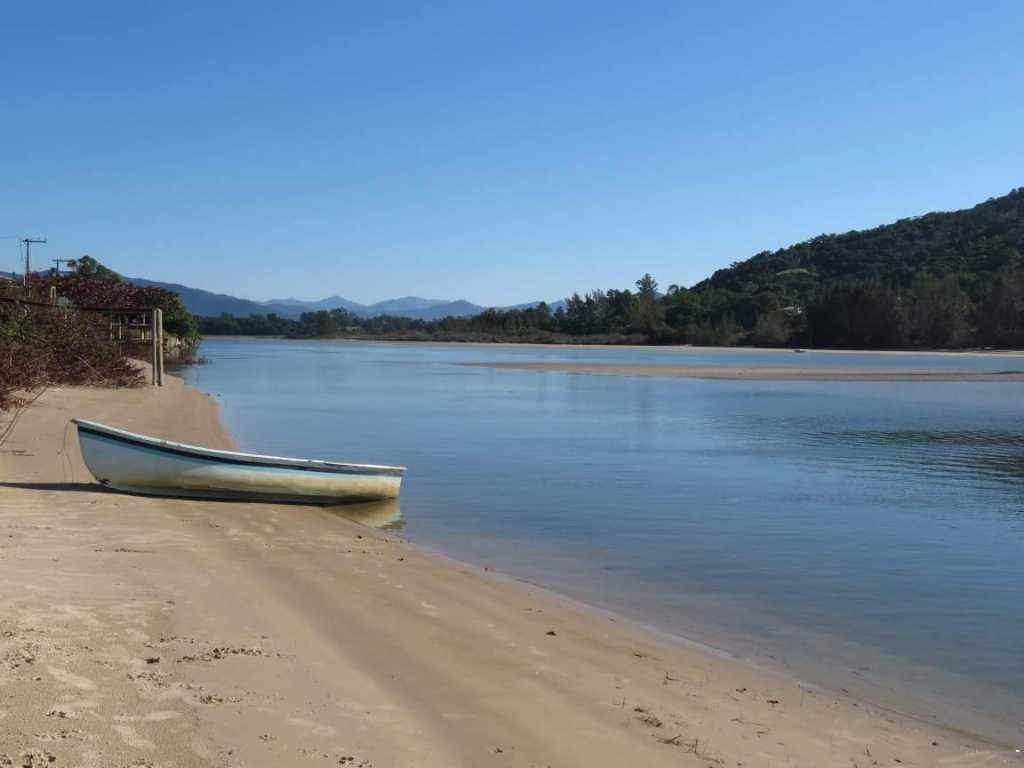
x,y
615,316
253,325
931,313
944,280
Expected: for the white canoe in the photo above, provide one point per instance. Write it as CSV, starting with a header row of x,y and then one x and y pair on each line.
x,y
148,465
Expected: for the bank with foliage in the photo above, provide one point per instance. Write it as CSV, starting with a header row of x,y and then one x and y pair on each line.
x,y
43,344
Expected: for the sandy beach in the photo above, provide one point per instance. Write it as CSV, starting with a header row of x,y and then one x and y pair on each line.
x,y
160,632
761,373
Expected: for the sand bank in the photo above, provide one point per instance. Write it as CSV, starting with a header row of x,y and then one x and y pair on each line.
x,y
137,631
764,373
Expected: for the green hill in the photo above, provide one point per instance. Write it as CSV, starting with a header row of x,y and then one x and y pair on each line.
x,y
940,280
984,239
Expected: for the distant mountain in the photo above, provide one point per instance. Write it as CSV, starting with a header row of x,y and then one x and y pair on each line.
x,y
289,302
460,308
331,302
404,305
407,306
208,304
435,310
554,306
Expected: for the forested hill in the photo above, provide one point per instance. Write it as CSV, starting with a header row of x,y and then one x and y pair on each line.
x,y
986,238
943,280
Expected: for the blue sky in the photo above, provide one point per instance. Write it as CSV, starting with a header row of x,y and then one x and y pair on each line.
x,y
499,152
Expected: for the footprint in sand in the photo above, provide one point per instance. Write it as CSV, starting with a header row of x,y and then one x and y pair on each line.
x,y
316,728
79,613
137,635
132,738
164,714
202,748
69,678
159,716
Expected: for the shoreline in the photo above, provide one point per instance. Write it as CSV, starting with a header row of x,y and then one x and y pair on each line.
x,y
847,680
327,637
667,348
752,373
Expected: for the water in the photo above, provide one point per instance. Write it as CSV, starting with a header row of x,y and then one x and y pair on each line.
x,y
862,535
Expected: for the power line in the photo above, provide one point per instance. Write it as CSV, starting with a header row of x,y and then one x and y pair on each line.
x,y
28,254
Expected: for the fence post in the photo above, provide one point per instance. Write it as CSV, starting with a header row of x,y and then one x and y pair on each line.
x,y
153,341
160,347
53,294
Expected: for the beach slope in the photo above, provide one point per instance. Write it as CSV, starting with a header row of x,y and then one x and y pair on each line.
x,y
159,632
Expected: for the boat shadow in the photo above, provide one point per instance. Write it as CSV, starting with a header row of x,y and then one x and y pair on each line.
x,y
73,487
385,514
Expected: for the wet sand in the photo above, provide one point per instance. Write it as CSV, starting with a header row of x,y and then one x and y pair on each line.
x,y
151,632
763,373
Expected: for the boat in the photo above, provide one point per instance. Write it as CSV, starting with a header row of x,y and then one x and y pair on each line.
x,y
154,467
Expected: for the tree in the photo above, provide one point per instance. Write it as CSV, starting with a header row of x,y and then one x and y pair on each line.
x,y
772,330
647,286
711,333
1000,315
937,312
618,310
650,313
87,266
682,308
857,315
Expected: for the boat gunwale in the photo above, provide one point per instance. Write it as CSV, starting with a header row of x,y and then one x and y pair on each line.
x,y
233,457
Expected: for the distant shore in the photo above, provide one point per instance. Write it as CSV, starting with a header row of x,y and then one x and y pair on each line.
x,y
224,633
753,373
667,348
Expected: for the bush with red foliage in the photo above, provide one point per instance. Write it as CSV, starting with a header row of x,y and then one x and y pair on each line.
x,y
40,346
86,291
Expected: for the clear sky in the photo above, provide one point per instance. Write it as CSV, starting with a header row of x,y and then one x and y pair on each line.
x,y
495,151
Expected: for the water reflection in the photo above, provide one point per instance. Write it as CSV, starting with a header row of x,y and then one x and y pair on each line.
x,y
386,514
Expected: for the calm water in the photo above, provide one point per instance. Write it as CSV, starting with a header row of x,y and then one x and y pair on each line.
x,y
865,535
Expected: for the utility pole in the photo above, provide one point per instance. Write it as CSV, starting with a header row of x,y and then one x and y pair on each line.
x,y
28,260
58,262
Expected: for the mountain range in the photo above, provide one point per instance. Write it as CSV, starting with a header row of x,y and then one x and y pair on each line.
x,y
208,304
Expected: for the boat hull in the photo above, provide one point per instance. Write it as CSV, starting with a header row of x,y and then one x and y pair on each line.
x,y
143,465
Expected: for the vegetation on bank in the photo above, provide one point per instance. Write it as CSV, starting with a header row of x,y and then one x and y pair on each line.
x,y
941,281
43,345
90,284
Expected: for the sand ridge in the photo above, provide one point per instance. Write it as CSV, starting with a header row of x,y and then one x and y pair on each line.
x,y
158,632
756,373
